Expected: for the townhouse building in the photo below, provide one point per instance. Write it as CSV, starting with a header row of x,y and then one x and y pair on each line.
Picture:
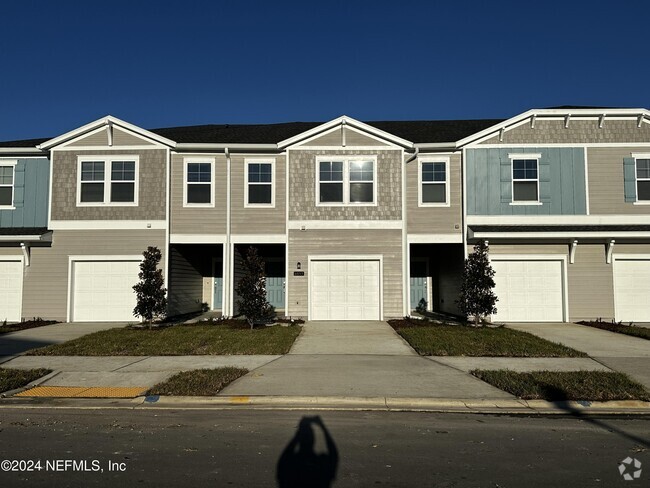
x,y
354,220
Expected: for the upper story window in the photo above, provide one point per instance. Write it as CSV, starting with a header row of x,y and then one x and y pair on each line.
x,y
433,182
643,179
7,183
198,186
109,181
259,187
346,181
525,178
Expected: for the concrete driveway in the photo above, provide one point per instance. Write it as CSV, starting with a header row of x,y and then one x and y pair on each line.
x,y
358,359
16,343
626,354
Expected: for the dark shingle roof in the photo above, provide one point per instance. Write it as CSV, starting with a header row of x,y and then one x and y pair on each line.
x,y
419,131
22,231
412,130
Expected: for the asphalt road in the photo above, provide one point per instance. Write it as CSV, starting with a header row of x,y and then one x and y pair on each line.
x,y
223,448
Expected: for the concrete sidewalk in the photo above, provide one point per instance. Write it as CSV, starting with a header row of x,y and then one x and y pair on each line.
x,y
15,343
626,354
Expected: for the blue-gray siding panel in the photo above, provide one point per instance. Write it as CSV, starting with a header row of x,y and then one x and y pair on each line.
x,y
561,181
31,186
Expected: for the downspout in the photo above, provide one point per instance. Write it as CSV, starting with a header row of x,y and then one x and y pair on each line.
x,y
227,254
406,295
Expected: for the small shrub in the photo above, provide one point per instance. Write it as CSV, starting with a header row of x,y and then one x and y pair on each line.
x,y
422,306
252,289
150,291
477,298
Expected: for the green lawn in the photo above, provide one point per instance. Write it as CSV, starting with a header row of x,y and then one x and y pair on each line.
x,y
634,331
199,382
178,340
27,324
10,379
565,385
462,340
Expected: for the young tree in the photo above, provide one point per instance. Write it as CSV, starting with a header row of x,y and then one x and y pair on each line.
x,y
251,288
150,291
477,297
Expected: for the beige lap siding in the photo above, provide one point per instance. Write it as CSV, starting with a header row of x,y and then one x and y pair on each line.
x,y
606,182
387,243
257,220
433,220
198,220
151,193
45,289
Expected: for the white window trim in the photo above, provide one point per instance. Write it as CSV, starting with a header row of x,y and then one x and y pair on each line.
x,y
447,201
512,158
346,180
12,163
270,161
186,162
108,161
636,180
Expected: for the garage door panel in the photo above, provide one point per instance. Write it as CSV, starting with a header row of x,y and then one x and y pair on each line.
x,y
529,290
632,289
345,290
11,285
103,290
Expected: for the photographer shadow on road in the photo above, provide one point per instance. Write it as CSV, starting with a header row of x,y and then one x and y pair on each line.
x,y
300,465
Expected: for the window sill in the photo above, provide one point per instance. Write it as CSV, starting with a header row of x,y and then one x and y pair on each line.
x,y
7,207
526,203
441,204
346,204
641,202
101,204
259,205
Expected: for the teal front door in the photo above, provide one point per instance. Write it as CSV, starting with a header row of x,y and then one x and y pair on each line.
x,y
217,293
275,283
418,279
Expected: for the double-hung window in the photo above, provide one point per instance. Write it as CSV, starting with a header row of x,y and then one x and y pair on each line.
x,y
643,179
7,183
199,183
346,181
434,184
111,181
259,184
525,178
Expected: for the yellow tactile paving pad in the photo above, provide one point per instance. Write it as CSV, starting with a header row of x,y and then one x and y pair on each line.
x,y
83,392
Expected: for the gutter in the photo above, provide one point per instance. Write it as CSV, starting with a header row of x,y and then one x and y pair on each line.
x,y
186,146
22,150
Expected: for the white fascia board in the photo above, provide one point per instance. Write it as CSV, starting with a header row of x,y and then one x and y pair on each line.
x,y
558,220
343,224
435,238
561,235
197,238
542,113
108,120
107,224
344,119
27,238
22,150
258,238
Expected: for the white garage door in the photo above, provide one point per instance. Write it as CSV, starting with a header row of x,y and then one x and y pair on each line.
x,y
11,290
632,289
528,291
102,290
345,290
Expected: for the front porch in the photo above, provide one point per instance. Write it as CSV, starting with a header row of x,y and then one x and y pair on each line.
x,y
198,277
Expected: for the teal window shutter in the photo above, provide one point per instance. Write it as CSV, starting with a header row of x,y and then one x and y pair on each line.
x,y
544,166
19,184
506,180
629,169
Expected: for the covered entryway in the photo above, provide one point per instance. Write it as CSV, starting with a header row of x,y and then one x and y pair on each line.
x,y
529,290
345,289
11,290
632,289
102,291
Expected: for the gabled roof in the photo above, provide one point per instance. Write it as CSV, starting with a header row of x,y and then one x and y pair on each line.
x,y
107,121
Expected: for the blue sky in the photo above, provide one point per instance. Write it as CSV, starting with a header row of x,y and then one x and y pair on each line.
x,y
162,63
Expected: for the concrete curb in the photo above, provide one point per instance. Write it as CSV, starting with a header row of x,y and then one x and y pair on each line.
x,y
387,404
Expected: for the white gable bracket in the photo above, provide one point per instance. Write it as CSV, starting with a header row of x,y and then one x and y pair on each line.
x,y
26,253
610,250
572,254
